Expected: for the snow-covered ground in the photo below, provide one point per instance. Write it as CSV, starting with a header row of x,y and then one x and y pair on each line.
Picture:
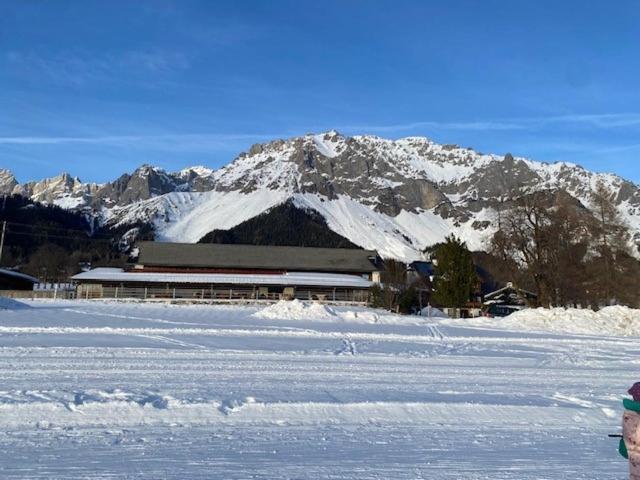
x,y
115,390
615,320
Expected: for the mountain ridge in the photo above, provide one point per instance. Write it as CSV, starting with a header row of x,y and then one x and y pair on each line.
x,y
397,196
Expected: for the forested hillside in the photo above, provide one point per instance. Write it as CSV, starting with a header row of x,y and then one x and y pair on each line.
x,y
52,243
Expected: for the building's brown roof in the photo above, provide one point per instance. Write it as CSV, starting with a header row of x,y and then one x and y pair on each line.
x,y
215,255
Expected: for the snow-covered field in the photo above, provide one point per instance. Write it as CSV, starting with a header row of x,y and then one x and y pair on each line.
x,y
109,390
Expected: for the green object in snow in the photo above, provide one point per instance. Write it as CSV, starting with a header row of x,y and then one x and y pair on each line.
x,y
631,405
622,449
634,407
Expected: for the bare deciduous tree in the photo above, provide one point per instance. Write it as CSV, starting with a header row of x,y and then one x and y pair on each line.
x,y
570,254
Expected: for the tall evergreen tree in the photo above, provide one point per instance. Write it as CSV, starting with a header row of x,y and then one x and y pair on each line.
x,y
456,278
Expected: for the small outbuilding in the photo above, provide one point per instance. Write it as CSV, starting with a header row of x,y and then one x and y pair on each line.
x,y
14,280
507,300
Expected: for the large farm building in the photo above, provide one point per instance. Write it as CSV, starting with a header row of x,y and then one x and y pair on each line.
x,y
220,272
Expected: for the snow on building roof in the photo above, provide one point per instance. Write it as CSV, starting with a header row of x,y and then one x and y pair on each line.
x,y
310,279
215,255
21,276
510,288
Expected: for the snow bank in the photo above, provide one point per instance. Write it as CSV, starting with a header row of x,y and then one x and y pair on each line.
x,y
297,310
433,312
317,312
11,304
616,320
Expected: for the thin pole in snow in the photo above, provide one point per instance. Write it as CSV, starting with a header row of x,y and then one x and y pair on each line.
x,y
4,229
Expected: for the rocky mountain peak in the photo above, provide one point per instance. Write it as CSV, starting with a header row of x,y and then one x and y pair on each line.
x,y
146,169
396,196
8,182
57,190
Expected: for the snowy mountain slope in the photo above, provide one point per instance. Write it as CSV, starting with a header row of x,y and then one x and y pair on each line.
x,y
187,217
222,209
402,237
397,196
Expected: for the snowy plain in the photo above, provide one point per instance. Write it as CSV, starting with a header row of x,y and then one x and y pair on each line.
x,y
299,391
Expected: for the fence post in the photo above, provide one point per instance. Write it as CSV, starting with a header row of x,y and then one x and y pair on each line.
x,y
230,294
174,293
116,293
145,293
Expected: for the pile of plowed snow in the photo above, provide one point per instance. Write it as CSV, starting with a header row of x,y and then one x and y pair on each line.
x,y
615,320
317,312
297,310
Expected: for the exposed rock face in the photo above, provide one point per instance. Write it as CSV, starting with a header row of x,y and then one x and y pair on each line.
x,y
8,182
394,195
147,182
332,165
410,174
63,190
194,179
144,183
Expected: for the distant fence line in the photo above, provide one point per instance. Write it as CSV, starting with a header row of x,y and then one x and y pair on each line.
x,y
39,294
192,295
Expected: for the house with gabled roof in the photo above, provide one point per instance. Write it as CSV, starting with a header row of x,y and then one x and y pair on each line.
x,y
507,300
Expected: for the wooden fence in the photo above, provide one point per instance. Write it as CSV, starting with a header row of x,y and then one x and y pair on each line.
x,y
39,294
193,295
220,295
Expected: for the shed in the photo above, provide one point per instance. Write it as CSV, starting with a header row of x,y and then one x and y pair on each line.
x,y
508,299
14,280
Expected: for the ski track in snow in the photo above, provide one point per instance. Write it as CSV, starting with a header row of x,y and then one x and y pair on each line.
x,y
114,390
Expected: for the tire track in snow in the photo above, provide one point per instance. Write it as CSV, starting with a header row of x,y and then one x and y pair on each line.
x,y
171,322
158,410
314,334
172,341
435,332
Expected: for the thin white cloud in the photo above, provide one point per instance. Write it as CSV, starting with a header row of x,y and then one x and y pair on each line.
x,y
175,142
602,120
77,69
434,125
599,120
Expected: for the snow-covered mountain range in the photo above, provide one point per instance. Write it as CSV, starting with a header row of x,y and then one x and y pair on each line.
x,y
395,196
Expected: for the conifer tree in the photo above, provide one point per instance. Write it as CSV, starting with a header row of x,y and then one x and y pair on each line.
x,y
456,277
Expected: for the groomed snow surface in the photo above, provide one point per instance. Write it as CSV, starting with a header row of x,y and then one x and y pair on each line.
x,y
297,390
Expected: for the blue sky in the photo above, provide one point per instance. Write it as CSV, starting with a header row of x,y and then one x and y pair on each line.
x,y
97,88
